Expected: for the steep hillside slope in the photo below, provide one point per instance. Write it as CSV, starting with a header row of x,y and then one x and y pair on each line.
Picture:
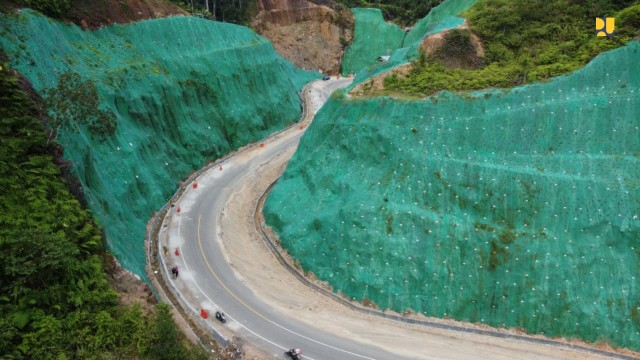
x,y
374,38
181,90
523,44
517,209
309,35
56,300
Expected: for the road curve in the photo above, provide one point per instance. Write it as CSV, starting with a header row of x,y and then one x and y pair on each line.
x,y
213,276
207,279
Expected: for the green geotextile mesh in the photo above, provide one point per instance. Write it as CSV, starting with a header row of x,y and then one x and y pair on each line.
x,y
517,209
184,90
374,37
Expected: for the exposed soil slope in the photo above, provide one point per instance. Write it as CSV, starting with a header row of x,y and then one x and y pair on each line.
x,y
97,13
309,35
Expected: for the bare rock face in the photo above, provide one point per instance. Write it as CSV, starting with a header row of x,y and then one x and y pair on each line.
x,y
311,36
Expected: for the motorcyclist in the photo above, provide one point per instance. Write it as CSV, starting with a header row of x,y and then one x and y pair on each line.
x,y
220,316
294,354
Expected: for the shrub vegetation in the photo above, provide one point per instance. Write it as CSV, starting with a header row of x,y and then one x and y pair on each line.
x,y
525,41
402,12
55,299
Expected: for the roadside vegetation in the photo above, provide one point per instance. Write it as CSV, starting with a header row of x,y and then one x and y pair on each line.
x,y
55,297
524,41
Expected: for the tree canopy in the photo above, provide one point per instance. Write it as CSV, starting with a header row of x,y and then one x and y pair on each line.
x,y
55,299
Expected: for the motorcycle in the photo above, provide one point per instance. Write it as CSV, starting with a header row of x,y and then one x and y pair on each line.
x,y
220,316
294,354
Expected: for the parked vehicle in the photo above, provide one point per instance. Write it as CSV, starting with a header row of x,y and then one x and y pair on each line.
x,y
325,78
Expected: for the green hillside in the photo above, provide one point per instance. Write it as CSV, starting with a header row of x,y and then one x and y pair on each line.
x,y
517,209
374,37
140,106
55,300
524,41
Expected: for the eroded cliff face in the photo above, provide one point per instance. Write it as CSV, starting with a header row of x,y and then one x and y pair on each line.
x,y
309,35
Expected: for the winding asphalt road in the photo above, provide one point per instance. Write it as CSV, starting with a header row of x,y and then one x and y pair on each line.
x,y
192,238
205,268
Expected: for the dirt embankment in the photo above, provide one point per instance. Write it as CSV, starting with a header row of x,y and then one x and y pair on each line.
x,y
309,35
91,14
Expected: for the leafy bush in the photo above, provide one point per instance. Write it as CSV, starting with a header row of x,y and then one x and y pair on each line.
x,y
629,18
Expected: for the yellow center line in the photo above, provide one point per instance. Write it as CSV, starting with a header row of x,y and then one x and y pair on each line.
x,y
220,280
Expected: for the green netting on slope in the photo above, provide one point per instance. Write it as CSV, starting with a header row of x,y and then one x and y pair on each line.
x,y
185,90
516,209
403,55
374,37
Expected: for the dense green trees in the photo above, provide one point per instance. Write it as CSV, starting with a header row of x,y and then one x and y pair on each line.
x,y
233,11
55,300
403,12
526,41
52,8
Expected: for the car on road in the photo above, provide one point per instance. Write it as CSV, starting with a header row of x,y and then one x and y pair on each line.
x,y
325,78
